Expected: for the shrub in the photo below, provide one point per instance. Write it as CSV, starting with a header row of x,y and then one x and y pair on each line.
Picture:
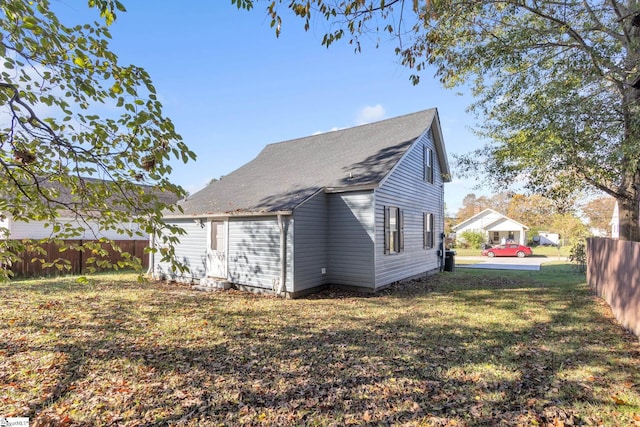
x,y
472,239
578,256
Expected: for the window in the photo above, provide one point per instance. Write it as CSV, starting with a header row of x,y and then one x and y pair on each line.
x,y
428,231
428,165
217,235
393,230
496,236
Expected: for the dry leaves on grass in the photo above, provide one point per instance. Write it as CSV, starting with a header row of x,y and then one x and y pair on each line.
x,y
462,350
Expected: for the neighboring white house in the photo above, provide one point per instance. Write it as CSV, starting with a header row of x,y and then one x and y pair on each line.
x,y
12,228
615,222
37,230
496,227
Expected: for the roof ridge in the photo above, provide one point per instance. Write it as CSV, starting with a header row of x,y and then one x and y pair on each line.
x,y
355,127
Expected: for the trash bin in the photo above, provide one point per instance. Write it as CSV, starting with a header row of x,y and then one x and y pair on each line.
x,y
449,261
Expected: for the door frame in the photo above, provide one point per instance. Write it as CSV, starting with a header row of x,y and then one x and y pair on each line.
x,y
220,270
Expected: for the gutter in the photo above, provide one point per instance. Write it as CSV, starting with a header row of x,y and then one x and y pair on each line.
x,y
349,188
226,215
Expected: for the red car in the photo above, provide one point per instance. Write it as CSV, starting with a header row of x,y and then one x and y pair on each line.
x,y
509,249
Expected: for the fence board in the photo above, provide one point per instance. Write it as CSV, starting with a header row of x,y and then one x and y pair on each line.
x,y
77,259
613,273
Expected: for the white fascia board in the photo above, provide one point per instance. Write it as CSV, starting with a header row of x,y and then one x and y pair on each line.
x,y
227,215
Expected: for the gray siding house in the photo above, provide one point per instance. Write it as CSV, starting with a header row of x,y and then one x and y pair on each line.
x,y
361,208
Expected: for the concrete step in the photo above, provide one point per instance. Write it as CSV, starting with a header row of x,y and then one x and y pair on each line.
x,y
212,284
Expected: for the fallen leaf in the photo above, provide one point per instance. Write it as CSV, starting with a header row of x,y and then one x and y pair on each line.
x,y
619,401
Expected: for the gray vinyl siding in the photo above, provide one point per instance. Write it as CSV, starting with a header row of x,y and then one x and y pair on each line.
x,y
406,189
254,252
191,251
351,239
311,239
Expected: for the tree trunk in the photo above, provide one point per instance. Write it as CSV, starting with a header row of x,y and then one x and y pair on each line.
x,y
629,202
629,209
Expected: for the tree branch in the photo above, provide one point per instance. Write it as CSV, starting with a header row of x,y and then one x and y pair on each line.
x,y
584,46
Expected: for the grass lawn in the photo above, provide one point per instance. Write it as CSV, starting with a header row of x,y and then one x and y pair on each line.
x,y
458,349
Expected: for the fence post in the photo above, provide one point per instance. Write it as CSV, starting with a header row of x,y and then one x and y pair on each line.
x,y
81,259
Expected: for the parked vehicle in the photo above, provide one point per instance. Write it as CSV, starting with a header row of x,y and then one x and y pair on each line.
x,y
508,249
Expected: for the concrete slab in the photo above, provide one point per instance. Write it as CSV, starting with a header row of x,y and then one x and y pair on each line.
x,y
500,266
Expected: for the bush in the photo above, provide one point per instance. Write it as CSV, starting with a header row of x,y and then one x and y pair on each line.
x,y
472,239
578,256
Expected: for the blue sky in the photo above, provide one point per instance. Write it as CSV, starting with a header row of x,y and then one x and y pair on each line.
x,y
231,86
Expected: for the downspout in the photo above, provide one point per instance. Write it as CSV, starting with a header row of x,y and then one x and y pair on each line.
x,y
151,268
443,235
283,260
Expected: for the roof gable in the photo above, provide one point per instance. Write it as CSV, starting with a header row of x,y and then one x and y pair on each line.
x,y
489,219
285,174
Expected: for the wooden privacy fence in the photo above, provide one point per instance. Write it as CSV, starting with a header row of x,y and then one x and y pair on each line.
x,y
77,259
613,272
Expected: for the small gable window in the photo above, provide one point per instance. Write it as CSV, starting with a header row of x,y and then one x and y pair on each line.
x,y
393,230
428,164
428,231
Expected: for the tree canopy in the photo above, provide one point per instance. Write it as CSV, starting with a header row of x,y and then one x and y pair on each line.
x,y
555,83
83,136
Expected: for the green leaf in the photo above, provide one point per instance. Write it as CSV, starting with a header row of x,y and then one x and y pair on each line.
x,y
116,88
79,62
77,75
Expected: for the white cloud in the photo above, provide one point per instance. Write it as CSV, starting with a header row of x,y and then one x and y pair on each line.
x,y
367,114
333,129
370,114
195,187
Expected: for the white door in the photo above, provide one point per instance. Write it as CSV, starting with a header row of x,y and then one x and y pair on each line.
x,y
217,253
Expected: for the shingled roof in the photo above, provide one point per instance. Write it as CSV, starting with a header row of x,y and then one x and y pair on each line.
x,y
69,201
285,174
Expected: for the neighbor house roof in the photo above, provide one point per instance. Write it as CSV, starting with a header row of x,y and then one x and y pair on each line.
x,y
285,174
489,220
65,197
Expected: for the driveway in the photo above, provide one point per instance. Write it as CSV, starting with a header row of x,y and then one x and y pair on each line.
x,y
505,263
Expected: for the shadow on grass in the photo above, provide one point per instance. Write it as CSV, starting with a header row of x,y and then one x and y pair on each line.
x,y
470,347
552,274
